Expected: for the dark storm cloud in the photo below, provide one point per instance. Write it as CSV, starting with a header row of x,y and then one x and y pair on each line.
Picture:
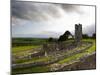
x,y
71,8
68,7
39,11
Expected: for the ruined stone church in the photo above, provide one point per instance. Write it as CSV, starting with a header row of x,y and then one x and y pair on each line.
x,y
49,48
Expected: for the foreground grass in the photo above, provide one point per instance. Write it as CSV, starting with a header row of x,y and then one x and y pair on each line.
x,y
77,56
36,69
35,59
66,60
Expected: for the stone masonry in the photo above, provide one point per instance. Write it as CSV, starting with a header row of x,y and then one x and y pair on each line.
x,y
49,48
78,33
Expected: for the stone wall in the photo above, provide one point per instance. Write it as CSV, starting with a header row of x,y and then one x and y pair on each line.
x,y
51,48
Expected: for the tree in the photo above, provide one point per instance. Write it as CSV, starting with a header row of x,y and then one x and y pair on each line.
x,y
85,36
65,36
50,39
94,36
62,38
67,33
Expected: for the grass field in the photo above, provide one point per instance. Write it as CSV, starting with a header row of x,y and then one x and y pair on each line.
x,y
27,41
47,68
77,56
23,48
34,59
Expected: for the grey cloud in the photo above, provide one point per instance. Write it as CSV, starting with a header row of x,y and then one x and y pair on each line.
x,y
30,10
71,8
39,11
68,7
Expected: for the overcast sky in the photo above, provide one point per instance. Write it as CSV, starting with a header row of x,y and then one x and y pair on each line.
x,y
31,19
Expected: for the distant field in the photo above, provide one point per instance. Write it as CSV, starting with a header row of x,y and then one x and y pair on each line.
x,y
27,41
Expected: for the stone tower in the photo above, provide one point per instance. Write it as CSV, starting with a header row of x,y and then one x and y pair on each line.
x,y
78,33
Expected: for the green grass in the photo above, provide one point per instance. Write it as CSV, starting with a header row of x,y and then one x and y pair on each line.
x,y
74,57
35,59
36,69
66,60
28,41
92,49
41,59
22,48
77,56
